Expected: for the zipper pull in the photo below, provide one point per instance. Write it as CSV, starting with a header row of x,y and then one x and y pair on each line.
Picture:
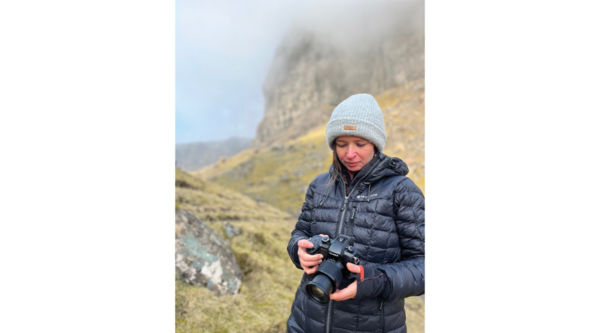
x,y
344,205
353,212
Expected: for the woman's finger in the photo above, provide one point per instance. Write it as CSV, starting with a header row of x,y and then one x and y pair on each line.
x,y
312,261
309,269
311,258
344,294
306,256
309,263
303,243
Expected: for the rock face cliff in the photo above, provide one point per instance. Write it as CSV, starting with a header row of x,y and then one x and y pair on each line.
x,y
315,69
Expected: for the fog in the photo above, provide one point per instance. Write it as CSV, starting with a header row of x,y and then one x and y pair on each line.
x,y
224,51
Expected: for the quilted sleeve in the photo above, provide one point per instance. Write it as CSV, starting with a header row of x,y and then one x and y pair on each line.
x,y
405,278
302,229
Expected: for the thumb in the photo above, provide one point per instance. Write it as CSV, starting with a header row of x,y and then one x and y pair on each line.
x,y
353,268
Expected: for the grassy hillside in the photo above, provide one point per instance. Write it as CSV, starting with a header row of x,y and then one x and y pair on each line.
x,y
269,278
212,202
280,174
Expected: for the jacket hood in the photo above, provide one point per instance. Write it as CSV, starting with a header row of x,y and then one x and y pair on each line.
x,y
393,164
387,166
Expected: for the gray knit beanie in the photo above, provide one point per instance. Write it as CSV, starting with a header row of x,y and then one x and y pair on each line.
x,y
359,115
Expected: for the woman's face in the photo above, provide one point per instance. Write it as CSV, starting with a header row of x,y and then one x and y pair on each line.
x,y
354,152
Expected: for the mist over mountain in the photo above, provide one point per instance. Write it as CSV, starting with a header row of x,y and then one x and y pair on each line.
x,y
325,57
330,55
193,156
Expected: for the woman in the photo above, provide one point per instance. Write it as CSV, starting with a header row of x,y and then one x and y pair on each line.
x,y
364,195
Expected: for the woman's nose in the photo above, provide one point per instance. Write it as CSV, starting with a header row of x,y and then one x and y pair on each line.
x,y
351,153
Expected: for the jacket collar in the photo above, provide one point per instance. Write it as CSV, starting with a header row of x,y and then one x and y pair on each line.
x,y
380,166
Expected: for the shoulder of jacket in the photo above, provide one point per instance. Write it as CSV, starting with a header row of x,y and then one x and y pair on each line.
x,y
403,183
320,179
319,184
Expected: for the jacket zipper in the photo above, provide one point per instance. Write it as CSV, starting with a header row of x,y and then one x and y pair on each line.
x,y
339,229
350,227
341,223
381,318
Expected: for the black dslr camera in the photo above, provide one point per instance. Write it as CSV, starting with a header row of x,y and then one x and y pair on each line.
x,y
336,254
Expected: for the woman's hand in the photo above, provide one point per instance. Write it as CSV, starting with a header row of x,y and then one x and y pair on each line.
x,y
309,263
350,291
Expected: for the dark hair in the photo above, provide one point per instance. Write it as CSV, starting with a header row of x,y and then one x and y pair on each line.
x,y
338,167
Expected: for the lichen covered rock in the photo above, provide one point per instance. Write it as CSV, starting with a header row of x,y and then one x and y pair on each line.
x,y
203,257
231,230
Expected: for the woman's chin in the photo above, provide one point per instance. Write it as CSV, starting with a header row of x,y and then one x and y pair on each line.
x,y
353,168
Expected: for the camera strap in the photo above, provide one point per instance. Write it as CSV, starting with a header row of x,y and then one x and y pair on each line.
x,y
350,229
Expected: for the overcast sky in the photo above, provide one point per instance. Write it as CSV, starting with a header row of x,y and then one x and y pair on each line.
x,y
223,52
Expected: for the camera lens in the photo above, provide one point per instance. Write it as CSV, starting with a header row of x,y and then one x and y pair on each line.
x,y
316,293
319,288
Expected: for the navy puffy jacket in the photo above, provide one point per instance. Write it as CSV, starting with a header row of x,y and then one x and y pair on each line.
x,y
389,221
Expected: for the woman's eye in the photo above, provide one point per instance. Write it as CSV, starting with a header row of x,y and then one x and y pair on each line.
x,y
340,146
361,145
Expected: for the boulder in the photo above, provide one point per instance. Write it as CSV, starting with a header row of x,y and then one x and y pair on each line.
x,y
203,257
231,230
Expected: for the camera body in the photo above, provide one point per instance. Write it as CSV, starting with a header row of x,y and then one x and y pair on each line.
x,y
341,248
336,254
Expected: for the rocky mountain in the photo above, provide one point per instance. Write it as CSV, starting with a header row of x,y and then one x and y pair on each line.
x,y
279,174
193,156
317,67
379,51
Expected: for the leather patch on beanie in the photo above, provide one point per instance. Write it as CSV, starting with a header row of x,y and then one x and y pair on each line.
x,y
349,127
